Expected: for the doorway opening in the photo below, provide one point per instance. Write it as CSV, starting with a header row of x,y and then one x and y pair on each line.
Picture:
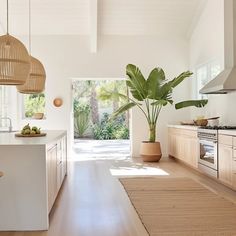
x,y
96,135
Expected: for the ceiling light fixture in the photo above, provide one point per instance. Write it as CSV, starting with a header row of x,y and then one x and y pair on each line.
x,y
14,59
35,82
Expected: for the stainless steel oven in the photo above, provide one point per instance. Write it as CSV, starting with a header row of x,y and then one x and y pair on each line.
x,y
208,151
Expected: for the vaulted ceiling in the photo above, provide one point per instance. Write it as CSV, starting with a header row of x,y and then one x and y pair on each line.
x,y
114,17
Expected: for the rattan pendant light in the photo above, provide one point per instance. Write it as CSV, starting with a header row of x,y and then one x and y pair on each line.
x,y
14,59
35,82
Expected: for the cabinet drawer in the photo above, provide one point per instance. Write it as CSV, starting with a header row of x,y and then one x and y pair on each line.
x,y
234,154
183,132
234,166
226,140
234,141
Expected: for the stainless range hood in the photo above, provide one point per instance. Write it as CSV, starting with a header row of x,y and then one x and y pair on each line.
x,y
226,81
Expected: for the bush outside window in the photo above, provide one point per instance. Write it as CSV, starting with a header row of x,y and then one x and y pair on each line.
x,y
33,103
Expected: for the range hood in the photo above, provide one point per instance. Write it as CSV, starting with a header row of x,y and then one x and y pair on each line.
x,y
226,81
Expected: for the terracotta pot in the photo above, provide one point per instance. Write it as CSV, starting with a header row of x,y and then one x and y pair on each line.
x,y
151,151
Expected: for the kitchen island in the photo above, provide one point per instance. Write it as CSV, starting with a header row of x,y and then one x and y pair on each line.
x,y
33,171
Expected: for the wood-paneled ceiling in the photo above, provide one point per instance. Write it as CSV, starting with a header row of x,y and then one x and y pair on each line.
x,y
114,17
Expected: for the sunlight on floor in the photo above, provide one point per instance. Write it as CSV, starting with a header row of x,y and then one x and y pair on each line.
x,y
112,157
133,171
101,149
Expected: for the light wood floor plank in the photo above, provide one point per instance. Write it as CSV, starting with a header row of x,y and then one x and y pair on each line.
x,y
93,202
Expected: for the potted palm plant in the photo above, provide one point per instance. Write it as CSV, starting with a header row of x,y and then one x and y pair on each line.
x,y
150,96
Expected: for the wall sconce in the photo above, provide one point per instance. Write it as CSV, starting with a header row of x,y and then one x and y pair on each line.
x,y
57,102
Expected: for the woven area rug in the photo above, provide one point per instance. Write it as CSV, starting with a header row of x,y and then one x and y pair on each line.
x,y
180,206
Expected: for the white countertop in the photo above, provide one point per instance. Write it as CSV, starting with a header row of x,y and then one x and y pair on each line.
x,y
192,127
52,135
189,127
227,132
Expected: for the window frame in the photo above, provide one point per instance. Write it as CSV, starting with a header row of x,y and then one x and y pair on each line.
x,y
209,65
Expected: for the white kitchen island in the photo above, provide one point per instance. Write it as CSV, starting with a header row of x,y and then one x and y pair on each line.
x,y
33,171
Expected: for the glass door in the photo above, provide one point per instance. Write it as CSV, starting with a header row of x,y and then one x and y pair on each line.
x,y
208,154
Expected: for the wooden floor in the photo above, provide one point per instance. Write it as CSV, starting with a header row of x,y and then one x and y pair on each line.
x,y
93,202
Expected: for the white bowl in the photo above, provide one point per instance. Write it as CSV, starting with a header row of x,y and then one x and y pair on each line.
x,y
214,122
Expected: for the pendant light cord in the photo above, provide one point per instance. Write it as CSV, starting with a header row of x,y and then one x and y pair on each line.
x,y
7,18
30,27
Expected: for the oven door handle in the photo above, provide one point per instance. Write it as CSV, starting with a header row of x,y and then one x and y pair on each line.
x,y
207,142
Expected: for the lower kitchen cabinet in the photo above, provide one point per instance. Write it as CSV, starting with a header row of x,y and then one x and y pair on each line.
x,y
183,145
56,169
227,160
52,175
225,164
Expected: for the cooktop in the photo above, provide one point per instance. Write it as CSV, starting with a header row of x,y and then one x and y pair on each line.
x,y
218,127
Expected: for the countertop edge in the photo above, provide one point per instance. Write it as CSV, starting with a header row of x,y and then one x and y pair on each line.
x,y
188,127
9,139
227,132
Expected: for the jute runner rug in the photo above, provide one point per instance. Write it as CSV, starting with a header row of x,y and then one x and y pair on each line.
x,y
180,206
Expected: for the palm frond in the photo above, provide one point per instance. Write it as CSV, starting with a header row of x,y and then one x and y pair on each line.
x,y
190,103
136,82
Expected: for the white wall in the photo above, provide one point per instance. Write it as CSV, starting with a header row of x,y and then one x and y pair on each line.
x,y
66,57
206,44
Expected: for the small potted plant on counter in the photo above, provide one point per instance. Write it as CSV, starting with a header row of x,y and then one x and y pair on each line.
x,y
150,96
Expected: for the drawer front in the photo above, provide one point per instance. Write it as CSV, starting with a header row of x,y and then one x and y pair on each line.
x,y
234,154
183,132
234,166
234,141
226,140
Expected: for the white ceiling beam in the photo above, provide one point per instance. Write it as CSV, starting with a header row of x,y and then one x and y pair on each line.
x,y
93,18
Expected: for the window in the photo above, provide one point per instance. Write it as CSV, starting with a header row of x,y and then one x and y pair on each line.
x,y
3,105
32,104
205,73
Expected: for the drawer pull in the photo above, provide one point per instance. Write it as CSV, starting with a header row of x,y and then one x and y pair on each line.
x,y
1,174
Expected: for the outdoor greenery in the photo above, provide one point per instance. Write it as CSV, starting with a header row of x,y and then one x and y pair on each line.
x,y
81,118
152,94
94,102
34,103
111,129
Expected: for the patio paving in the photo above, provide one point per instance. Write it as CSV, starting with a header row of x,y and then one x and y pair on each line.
x,y
101,149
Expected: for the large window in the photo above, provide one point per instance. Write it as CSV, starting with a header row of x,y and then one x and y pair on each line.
x,y
33,104
3,104
205,73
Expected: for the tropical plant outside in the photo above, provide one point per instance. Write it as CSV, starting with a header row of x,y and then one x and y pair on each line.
x,y
81,118
34,103
152,94
101,99
111,129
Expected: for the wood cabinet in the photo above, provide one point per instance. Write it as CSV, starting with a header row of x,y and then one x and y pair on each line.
x,y
56,169
52,175
183,145
225,164
227,160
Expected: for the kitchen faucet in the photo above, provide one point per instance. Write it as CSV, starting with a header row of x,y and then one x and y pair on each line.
x,y
10,123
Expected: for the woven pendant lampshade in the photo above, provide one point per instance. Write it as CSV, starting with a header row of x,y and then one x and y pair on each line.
x,y
14,61
35,82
